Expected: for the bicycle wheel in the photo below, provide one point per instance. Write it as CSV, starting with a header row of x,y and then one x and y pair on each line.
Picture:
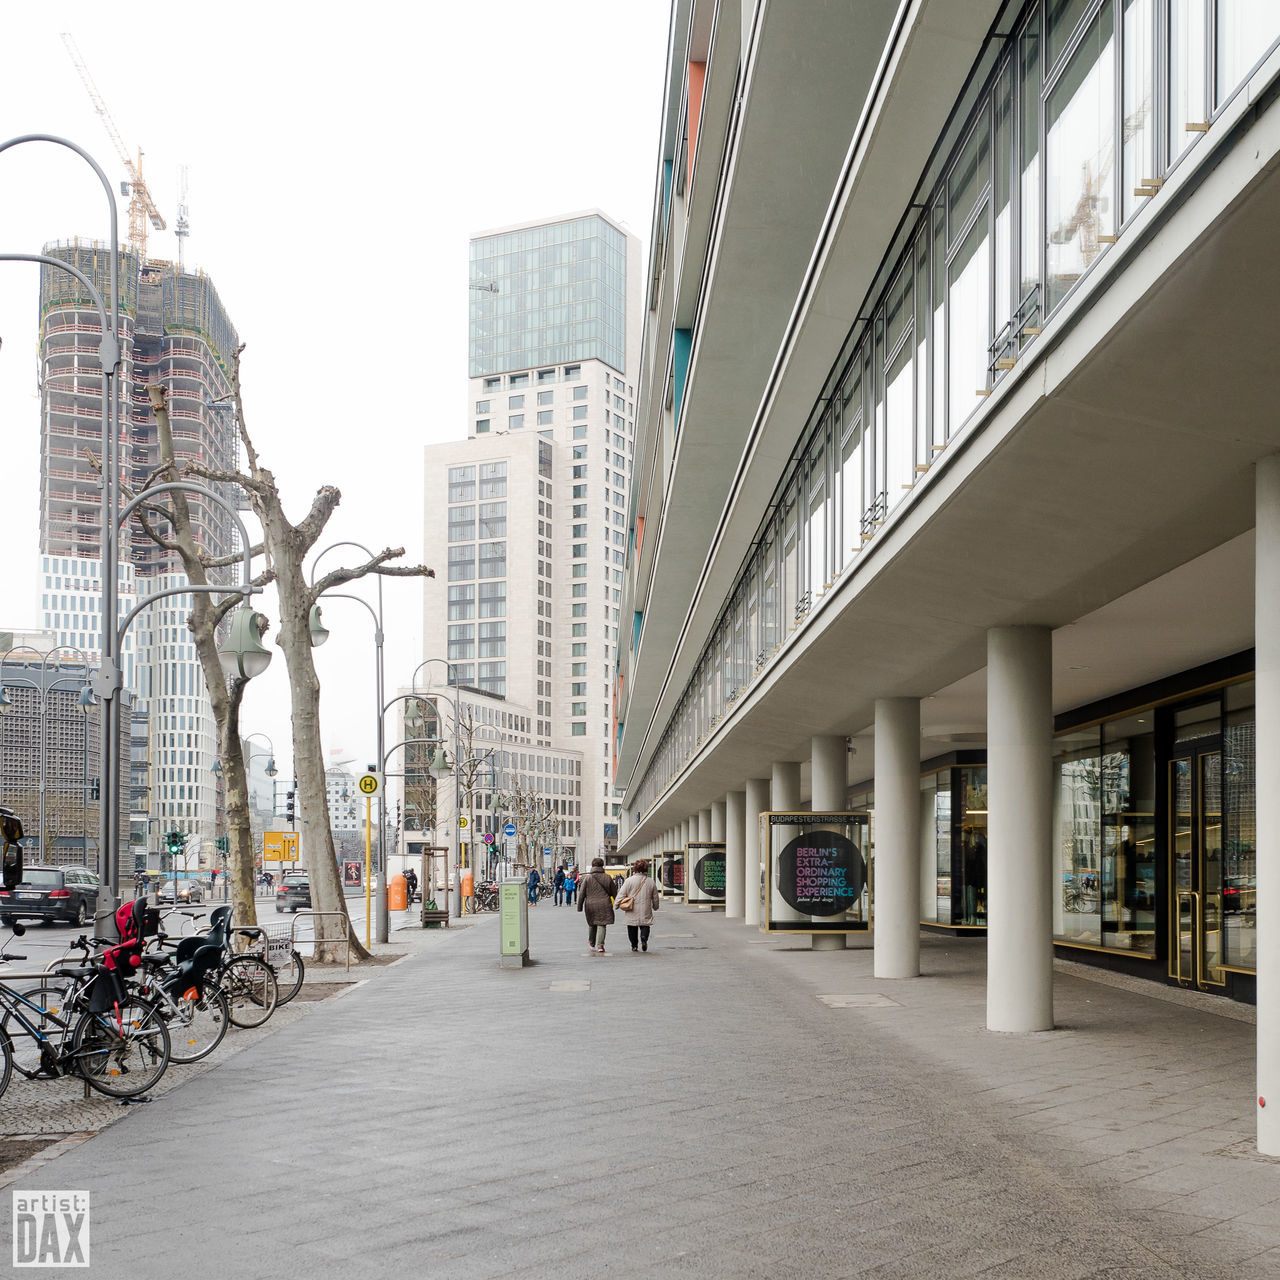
x,y
251,990
196,1027
49,1018
289,977
124,1052
6,1063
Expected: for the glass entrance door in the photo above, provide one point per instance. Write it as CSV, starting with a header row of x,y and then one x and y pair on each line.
x,y
1195,879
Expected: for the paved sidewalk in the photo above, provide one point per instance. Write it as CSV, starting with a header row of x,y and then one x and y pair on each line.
x,y
724,1106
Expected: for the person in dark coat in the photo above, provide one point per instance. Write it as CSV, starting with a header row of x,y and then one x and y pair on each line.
x,y
595,901
558,897
535,879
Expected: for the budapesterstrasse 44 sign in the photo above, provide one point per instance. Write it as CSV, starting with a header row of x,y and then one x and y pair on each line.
x,y
816,872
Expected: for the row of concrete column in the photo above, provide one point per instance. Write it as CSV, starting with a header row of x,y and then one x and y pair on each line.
x,y
1019,869
1019,822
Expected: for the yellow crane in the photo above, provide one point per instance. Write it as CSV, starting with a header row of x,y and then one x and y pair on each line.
x,y
142,208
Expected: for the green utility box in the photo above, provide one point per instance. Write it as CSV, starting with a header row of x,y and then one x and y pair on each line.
x,y
513,902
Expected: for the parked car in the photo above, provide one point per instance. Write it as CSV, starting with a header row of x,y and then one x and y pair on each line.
x,y
1240,893
51,893
294,892
188,891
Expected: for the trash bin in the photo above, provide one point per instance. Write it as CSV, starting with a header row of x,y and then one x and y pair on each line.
x,y
468,884
397,893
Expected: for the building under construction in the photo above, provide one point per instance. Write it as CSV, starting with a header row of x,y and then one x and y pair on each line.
x,y
175,331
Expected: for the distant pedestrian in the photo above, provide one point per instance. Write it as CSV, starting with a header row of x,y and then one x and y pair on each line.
x,y
558,883
596,903
535,879
410,883
638,899
570,885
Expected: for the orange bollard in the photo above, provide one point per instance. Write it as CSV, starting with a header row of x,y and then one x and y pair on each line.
x,y
397,893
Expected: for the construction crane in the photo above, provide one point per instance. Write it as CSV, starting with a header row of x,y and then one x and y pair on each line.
x,y
182,228
142,208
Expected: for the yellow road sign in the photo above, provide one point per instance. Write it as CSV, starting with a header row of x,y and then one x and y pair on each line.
x,y
368,784
280,846
462,822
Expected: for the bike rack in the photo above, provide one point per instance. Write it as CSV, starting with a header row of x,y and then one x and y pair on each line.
x,y
313,915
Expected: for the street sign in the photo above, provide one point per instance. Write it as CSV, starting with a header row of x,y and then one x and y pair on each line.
x,y
546,848
509,829
369,784
280,846
462,822
487,837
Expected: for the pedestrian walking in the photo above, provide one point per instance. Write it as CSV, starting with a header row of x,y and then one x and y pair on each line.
x,y
558,883
570,885
410,883
596,903
535,879
638,899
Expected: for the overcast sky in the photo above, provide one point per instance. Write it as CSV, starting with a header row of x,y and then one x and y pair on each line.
x,y
339,157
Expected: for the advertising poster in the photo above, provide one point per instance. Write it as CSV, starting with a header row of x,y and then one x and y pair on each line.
x,y
353,875
704,861
672,873
817,872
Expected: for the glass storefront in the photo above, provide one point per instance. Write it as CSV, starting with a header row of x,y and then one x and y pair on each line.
x,y
953,838
1104,844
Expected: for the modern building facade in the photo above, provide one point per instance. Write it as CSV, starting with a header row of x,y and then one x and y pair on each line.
x,y
963,399
175,331
526,516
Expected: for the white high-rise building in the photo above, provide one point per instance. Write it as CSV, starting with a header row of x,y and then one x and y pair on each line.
x,y
526,517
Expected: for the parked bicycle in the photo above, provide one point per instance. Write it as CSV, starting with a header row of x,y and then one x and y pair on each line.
x,y
86,1020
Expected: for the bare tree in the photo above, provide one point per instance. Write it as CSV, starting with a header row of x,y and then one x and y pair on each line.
x,y
225,696
287,545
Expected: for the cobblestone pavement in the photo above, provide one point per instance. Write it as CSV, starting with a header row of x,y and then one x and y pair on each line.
x,y
724,1106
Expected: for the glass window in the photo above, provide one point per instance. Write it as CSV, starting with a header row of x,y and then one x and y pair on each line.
x,y
518,380
482,406
546,417
493,559
1246,30
493,479
515,402
579,412
492,384
969,176
546,375
1079,158
546,397
580,393
461,603
969,321
579,729
462,562
1061,18
1188,59
1029,163
1139,100
493,599
493,639
462,523
462,484
572,372
515,422
462,641
482,425
493,519
580,432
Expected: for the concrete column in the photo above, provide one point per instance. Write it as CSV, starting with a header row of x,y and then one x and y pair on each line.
x,y
757,803
1267,710
1019,829
828,777
717,820
735,850
784,796
897,924
704,825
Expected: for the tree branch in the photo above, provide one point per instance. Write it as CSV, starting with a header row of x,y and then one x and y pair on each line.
x,y
224,607
322,507
249,451
377,564
222,477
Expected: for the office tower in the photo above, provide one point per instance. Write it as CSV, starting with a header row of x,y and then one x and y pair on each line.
x,y
174,330
525,518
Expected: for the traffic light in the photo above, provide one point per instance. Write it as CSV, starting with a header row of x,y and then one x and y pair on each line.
x,y
288,805
174,843
95,790
224,844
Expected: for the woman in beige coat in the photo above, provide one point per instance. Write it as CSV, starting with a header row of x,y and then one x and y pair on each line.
x,y
645,900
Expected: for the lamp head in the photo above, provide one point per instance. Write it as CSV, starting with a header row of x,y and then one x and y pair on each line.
x,y
319,632
243,655
271,767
